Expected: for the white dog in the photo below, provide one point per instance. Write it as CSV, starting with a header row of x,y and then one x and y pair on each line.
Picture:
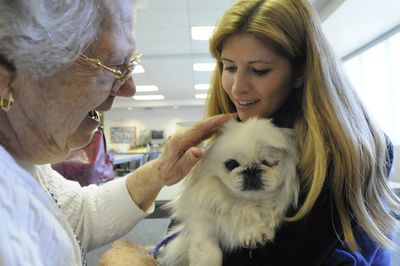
x,y
236,196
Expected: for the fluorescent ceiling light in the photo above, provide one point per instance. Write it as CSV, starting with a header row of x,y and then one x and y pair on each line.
x,y
202,33
201,87
148,97
146,88
203,66
200,96
138,69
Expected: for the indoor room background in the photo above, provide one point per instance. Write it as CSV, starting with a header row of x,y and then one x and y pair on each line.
x,y
176,69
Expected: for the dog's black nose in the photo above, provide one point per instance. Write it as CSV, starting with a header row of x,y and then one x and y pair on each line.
x,y
252,178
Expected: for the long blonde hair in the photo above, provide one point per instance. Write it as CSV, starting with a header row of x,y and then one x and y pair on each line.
x,y
332,128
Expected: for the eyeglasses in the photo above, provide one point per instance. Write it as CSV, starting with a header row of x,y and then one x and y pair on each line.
x,y
122,72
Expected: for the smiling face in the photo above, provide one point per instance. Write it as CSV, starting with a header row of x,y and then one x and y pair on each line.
x,y
256,79
50,115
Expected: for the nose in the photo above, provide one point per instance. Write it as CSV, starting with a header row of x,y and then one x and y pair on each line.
x,y
252,178
128,89
240,83
252,172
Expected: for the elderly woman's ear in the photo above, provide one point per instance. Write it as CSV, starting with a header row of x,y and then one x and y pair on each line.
x,y
6,75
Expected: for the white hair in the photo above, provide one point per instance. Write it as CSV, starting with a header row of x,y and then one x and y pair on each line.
x,y
42,36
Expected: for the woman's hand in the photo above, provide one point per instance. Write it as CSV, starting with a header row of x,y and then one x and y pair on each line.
x,y
125,253
180,153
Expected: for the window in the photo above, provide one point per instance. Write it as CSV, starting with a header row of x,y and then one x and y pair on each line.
x,y
375,74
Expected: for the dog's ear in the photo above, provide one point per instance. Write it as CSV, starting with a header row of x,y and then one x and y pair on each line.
x,y
288,132
291,183
273,153
291,148
289,166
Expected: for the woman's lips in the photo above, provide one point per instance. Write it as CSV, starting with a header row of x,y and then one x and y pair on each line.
x,y
106,105
103,107
93,115
246,103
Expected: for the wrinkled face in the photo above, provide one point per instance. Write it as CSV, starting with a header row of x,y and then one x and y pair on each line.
x,y
256,165
256,79
51,115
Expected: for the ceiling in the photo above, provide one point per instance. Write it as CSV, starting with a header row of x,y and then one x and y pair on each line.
x,y
164,38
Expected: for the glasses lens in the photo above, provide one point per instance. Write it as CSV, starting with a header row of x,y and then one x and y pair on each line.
x,y
117,84
135,60
121,81
128,72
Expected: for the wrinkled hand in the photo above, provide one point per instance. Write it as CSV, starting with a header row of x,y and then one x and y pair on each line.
x,y
180,152
126,253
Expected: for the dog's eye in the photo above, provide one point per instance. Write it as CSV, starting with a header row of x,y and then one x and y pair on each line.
x,y
231,164
269,164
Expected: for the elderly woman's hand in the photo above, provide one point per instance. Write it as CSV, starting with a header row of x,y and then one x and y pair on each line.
x,y
180,153
126,253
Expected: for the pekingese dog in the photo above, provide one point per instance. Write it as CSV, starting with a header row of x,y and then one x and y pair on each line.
x,y
236,196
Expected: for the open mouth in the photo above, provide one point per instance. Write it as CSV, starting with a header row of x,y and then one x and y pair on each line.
x,y
94,115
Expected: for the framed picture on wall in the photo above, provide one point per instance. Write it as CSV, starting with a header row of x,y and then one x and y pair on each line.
x,y
156,137
157,134
123,135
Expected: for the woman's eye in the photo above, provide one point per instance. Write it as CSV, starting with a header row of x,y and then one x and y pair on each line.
x,y
229,68
261,72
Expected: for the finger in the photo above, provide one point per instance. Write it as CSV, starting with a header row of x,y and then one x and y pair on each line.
x,y
214,122
194,155
185,164
204,129
189,159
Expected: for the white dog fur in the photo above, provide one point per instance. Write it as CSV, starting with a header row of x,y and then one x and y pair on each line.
x,y
236,196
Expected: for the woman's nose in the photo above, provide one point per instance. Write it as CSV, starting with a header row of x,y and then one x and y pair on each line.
x,y
240,83
128,89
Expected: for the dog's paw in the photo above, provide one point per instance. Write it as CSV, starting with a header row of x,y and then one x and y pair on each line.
x,y
257,237
256,241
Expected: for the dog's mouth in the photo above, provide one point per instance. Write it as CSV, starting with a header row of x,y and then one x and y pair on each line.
x,y
252,179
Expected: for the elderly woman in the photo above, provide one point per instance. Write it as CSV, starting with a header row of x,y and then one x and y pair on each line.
x,y
61,62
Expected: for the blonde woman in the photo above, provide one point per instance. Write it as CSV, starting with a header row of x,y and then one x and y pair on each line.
x,y
273,61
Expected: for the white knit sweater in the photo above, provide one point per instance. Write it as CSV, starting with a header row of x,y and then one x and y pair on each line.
x,y
34,231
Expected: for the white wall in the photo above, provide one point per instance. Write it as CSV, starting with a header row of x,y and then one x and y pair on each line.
x,y
157,119
395,174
